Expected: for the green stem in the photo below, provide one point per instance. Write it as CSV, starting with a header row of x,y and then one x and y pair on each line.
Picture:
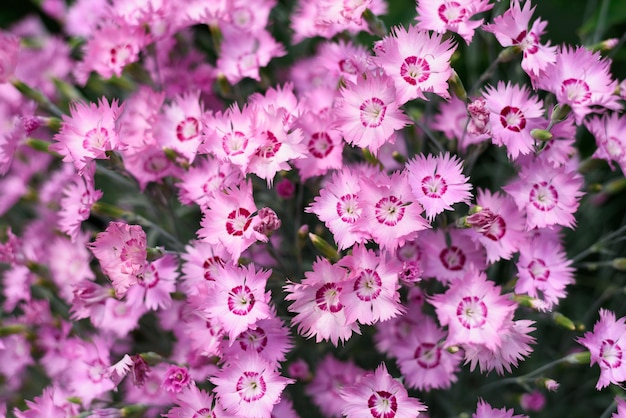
x,y
37,96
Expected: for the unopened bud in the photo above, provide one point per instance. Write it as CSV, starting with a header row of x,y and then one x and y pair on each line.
x,y
453,349
550,384
563,321
541,134
154,253
374,24
560,112
457,86
508,54
324,247
411,272
619,264
268,222
584,357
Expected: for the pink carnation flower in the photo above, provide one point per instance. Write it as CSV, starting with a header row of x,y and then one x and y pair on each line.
x,y
606,343
511,29
121,251
417,62
548,195
582,80
621,408
474,311
438,182
381,396
369,112
513,113
238,299
156,284
249,387
79,196
609,134
88,133
454,16
9,48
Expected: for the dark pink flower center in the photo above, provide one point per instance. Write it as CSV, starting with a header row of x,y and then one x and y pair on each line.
x,y
327,298
434,186
120,55
372,112
512,118
210,265
528,42
150,277
613,147
234,143
238,222
347,66
253,339
204,413
538,270
251,386
188,129
428,355
348,209
611,354
382,404
97,139
471,312
368,285
389,210
575,90
96,370
543,196
270,146
415,70
452,258
240,300
320,145
451,13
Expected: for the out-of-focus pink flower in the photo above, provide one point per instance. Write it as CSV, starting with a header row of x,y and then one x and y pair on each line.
x,y
9,48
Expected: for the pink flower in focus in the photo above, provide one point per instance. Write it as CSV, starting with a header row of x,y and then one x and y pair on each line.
x,y
474,311
548,195
417,62
391,214
228,220
121,251
249,386
513,114
582,80
318,303
369,112
269,338
438,182
191,402
511,29
238,299
381,396
156,284
606,344
9,48
484,410
88,133
454,16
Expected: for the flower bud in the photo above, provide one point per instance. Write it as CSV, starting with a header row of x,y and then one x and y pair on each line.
x,y
324,247
268,222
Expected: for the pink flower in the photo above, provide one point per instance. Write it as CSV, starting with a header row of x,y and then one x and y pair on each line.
x,y
331,376
391,214
543,270
201,265
621,408
156,284
499,226
451,254
79,196
179,126
438,182
474,311
121,251
269,338
205,178
238,299
369,112
582,80
608,132
511,29
417,62
324,146
513,114
228,220
192,401
606,344
534,401
423,361
111,48
484,410
454,122
318,303
381,396
249,387
176,379
88,133
454,16
339,207
9,48
548,195
372,292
